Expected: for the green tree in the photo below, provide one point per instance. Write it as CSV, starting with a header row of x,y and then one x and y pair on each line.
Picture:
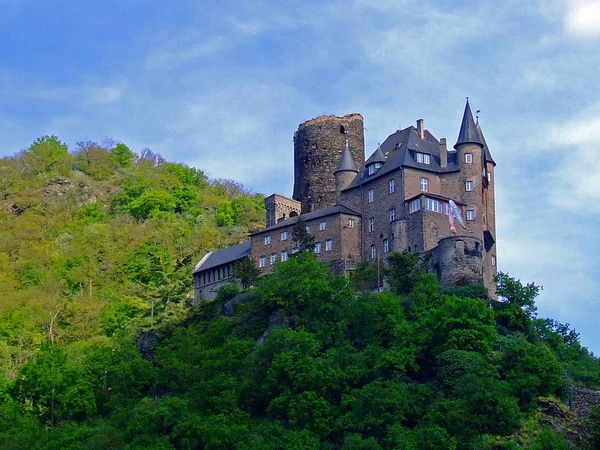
x,y
301,237
121,155
150,202
403,272
225,214
246,272
516,307
45,153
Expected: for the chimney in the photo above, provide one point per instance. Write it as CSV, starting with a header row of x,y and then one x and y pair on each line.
x,y
420,129
443,153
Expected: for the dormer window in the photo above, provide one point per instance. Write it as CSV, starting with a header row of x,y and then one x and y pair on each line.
x,y
374,168
423,158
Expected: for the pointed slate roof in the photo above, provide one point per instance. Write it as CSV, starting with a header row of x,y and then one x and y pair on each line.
x,y
347,163
377,157
486,150
468,130
401,148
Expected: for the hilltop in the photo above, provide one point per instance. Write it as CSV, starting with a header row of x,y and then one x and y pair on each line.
x,y
101,346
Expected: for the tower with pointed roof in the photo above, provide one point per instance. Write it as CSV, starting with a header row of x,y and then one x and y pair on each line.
x,y
345,172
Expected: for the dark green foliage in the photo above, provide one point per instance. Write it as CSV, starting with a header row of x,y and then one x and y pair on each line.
x,y
468,290
404,270
593,424
246,272
367,276
301,237
227,292
549,439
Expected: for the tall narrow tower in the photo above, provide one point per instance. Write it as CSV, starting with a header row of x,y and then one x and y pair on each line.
x,y
318,147
475,162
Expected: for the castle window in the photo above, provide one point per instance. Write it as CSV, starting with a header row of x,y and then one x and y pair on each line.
x,y
424,184
392,185
415,206
295,250
470,214
392,214
433,205
318,247
308,229
371,169
273,258
350,223
284,256
423,158
489,177
447,209
284,235
322,225
328,245
386,246
373,252
493,260
469,185
469,158
262,262
267,239
371,194
371,223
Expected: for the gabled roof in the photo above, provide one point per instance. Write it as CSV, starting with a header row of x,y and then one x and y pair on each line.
x,y
468,133
225,256
486,150
335,209
347,163
400,149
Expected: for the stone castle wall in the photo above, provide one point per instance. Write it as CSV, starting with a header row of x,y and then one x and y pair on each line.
x,y
318,147
458,261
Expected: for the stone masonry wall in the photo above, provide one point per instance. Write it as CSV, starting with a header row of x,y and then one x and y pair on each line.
x,y
278,207
345,240
458,261
378,209
318,147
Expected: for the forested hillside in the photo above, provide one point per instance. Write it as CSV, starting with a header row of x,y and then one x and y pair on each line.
x,y
91,239
101,347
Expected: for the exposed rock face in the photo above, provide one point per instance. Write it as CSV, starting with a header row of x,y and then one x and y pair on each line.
x,y
584,399
275,318
565,422
145,344
59,186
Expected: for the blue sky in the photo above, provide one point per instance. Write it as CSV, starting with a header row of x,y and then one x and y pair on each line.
x,y
222,86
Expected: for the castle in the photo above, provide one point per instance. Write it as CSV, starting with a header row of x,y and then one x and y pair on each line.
x,y
412,194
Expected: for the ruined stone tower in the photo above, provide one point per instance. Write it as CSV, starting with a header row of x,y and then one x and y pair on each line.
x,y
318,147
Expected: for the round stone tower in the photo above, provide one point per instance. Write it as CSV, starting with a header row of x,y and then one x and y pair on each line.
x,y
458,260
318,147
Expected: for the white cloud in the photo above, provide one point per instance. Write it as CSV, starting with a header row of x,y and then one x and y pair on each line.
x,y
583,18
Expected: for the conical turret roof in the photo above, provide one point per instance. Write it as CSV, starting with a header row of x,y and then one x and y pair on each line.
x,y
486,151
377,157
468,130
347,163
